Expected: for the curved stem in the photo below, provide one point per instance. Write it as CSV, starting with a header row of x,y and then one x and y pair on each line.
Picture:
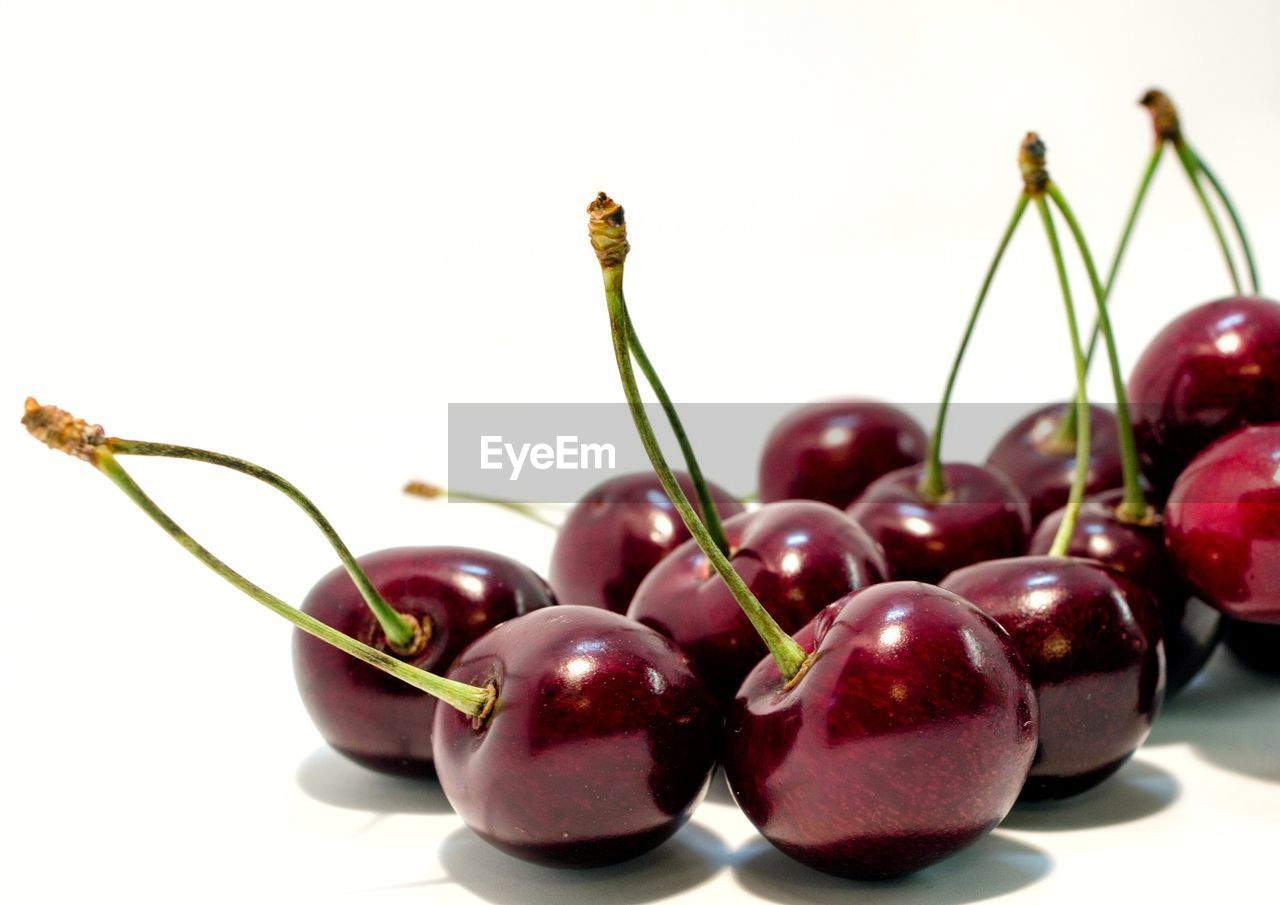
x,y
788,654
472,700
433,492
401,631
710,514
1231,212
933,486
1191,165
1134,505
1062,540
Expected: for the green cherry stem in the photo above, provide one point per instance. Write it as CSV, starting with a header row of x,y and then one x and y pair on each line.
x,y
1191,165
711,515
404,634
427,491
933,486
609,238
61,431
1062,540
1133,507
1231,212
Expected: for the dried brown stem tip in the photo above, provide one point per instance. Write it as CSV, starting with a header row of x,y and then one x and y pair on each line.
x,y
1031,161
607,228
423,489
1164,116
60,430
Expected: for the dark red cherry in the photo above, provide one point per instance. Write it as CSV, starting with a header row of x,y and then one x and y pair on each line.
x,y
1191,628
1208,373
796,557
458,594
1091,640
984,516
830,451
1222,524
618,532
1255,644
1034,457
601,743
907,739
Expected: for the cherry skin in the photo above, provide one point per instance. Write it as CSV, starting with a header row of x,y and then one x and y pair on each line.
x,y
1255,645
1209,372
1032,456
1091,640
1222,524
907,739
984,516
1190,627
796,557
618,532
599,747
458,593
830,451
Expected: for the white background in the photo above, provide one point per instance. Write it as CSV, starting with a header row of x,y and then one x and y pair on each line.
x,y
296,231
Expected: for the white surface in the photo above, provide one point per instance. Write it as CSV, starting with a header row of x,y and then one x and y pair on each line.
x,y
295,231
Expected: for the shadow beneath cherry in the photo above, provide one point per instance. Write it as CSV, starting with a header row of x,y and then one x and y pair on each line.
x,y
994,866
1230,715
1139,790
691,857
718,792
330,778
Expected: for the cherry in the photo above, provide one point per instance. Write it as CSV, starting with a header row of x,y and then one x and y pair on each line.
x,y
602,744
600,726
795,556
986,700
1038,455
1091,640
616,534
907,738
1222,524
1255,645
982,516
1211,371
830,451
1190,627
456,594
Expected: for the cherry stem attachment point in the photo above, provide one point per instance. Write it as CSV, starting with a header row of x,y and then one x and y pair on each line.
x,y
933,485
427,491
75,437
404,634
607,230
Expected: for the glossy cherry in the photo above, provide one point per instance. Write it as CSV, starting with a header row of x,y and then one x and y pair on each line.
x,y
983,516
457,594
618,532
1190,627
1041,462
600,745
796,557
1208,373
908,737
1255,644
1091,640
830,451
1222,524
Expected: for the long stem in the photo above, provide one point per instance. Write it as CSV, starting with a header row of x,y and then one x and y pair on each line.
x,y
1062,540
401,631
934,486
710,514
788,654
474,701
1231,211
1191,165
1134,505
433,492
